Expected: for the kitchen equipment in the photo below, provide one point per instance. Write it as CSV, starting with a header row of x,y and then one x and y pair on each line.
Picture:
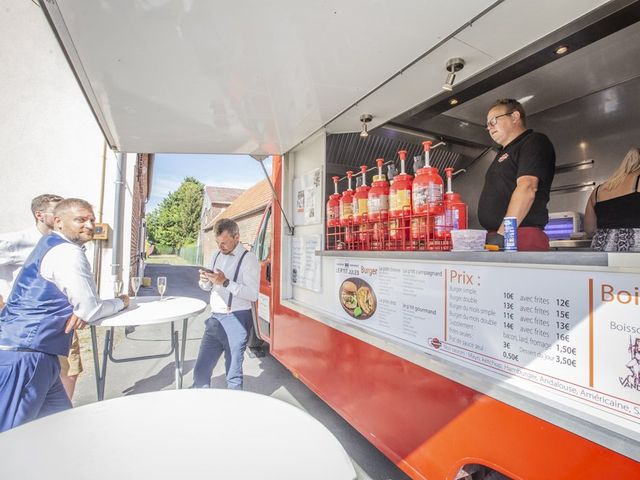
x,y
562,225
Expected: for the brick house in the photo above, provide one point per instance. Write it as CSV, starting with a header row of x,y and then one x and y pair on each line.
x,y
247,211
141,193
215,201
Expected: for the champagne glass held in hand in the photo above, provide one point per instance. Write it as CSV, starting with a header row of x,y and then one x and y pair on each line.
x,y
135,286
162,286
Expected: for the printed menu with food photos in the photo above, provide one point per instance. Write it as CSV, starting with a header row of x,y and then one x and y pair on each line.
x,y
572,337
392,298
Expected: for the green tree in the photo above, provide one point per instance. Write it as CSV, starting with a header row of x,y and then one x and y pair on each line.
x,y
176,221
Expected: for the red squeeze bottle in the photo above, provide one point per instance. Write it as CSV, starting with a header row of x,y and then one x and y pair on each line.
x,y
379,196
360,199
333,206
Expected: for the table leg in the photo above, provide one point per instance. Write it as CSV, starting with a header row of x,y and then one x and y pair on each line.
x,y
176,348
100,370
185,324
96,360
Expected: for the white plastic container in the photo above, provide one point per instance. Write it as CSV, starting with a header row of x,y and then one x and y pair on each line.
x,y
468,240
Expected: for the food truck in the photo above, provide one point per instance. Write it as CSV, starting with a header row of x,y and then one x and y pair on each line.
x,y
453,362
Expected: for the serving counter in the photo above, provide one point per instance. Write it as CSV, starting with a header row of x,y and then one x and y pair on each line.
x,y
581,258
555,334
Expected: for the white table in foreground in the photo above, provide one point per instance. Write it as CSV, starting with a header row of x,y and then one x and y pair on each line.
x,y
190,434
146,311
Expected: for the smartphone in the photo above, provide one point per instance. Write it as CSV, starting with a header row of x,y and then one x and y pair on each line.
x,y
207,270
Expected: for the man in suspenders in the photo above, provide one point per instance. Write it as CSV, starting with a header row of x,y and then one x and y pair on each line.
x,y
233,280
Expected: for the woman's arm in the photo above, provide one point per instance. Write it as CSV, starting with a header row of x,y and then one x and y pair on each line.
x,y
590,219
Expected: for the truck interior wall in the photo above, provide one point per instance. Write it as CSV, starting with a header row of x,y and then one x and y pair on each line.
x,y
601,127
302,161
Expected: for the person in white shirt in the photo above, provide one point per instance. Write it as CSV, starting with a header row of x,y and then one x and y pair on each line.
x,y
14,249
53,295
234,282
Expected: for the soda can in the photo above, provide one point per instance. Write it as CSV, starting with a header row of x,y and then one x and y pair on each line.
x,y
510,233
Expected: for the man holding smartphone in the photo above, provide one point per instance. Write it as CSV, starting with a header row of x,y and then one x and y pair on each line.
x,y
234,282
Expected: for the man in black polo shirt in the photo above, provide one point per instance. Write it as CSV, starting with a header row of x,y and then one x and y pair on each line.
x,y
518,181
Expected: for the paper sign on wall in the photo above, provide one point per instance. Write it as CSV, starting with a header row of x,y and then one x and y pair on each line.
x,y
307,194
306,269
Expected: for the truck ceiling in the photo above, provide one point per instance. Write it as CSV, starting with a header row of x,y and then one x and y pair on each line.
x,y
255,77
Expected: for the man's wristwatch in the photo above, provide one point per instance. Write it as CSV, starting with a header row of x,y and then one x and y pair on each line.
x,y
225,284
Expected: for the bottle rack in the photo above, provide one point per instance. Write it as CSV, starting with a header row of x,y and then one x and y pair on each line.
x,y
411,232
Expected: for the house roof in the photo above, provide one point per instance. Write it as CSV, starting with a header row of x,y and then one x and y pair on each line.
x,y
222,194
253,199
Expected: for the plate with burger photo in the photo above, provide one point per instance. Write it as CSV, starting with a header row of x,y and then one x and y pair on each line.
x,y
357,298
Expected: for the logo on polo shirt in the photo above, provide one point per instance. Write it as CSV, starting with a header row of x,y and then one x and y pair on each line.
x,y
503,157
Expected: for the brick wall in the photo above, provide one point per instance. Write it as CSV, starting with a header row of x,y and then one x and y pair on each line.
x,y
140,192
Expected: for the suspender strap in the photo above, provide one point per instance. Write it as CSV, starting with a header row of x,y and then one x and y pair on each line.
x,y
637,182
235,278
214,261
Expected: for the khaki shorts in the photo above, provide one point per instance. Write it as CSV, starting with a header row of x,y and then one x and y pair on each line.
x,y
72,365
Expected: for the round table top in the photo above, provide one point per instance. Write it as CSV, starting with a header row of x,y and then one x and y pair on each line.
x,y
152,310
194,434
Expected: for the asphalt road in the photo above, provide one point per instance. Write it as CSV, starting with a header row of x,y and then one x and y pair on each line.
x,y
262,375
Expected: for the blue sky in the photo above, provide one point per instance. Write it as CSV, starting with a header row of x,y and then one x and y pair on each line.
x,y
235,171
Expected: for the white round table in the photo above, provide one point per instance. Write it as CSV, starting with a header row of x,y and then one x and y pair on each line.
x,y
190,434
146,311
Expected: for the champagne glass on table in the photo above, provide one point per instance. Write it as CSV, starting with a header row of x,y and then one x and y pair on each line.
x,y
162,286
117,288
135,285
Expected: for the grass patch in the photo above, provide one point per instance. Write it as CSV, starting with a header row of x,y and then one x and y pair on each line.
x,y
166,260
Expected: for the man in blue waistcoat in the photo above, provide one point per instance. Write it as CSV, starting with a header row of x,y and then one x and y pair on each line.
x,y
54,294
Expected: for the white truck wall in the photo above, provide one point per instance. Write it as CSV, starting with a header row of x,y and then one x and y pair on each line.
x,y
302,160
50,140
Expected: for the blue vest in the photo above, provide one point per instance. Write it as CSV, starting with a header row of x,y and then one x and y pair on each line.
x,y
36,311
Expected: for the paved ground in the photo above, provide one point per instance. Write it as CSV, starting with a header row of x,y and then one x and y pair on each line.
x,y
262,375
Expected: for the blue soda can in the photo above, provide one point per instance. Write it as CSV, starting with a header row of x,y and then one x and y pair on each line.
x,y
510,233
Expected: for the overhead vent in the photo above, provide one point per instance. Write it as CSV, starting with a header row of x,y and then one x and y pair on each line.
x,y
349,150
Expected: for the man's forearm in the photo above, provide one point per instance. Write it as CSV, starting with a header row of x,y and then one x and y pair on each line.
x,y
521,200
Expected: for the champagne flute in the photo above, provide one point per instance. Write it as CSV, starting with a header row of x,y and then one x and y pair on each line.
x,y
135,286
117,288
162,286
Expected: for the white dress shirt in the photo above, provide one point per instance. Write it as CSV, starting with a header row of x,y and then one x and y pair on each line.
x,y
67,267
244,289
15,247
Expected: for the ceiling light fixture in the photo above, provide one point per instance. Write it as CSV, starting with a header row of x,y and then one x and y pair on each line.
x,y
453,65
365,118
525,99
561,50
453,101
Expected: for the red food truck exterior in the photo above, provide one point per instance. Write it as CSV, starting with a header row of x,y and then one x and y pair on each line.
x,y
430,425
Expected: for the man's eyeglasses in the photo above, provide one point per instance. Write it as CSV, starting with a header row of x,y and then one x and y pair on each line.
x,y
492,122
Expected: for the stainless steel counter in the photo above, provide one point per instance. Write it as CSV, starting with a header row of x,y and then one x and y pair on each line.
x,y
582,244
585,258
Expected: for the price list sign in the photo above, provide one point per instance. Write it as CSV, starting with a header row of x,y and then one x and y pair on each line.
x,y
569,332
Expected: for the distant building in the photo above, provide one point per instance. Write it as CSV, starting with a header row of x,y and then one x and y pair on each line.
x,y
215,201
247,211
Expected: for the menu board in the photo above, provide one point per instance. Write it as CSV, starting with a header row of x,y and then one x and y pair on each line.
x,y
306,271
569,336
